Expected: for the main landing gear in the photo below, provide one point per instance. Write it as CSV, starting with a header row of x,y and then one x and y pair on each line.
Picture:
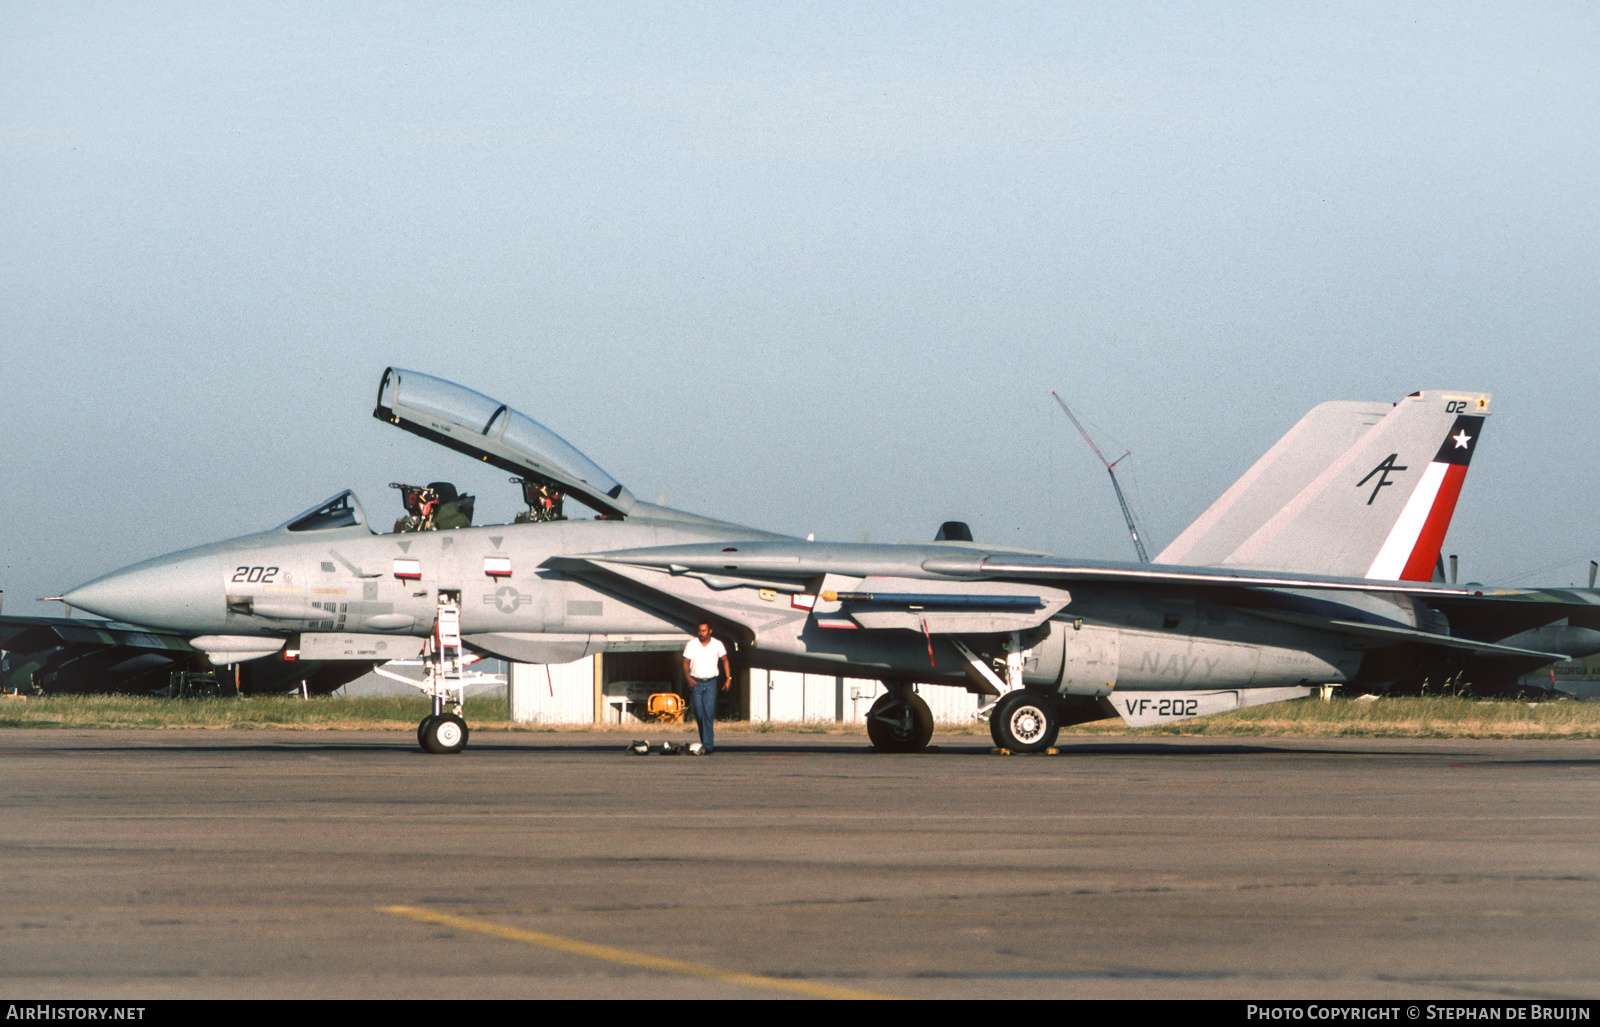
x,y
1022,719
1025,720
900,721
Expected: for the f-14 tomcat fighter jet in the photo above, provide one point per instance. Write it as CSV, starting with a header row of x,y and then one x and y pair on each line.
x,y
1317,567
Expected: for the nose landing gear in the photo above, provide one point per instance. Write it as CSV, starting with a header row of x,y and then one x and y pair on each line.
x,y
442,734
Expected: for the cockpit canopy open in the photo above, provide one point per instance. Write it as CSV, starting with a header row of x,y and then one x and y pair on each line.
x,y
488,430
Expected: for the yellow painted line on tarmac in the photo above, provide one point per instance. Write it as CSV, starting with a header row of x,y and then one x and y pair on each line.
x,y
627,958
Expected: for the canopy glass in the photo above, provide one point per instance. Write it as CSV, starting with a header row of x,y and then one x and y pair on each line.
x,y
487,429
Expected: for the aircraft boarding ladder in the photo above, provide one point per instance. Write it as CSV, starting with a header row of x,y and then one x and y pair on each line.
x,y
444,669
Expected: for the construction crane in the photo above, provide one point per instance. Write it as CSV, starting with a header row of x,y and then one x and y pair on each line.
x,y
1111,469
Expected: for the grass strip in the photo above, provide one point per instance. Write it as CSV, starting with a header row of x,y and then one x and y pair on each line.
x,y
1413,717
1401,717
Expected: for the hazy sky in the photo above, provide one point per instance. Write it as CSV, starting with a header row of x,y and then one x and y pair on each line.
x,y
813,268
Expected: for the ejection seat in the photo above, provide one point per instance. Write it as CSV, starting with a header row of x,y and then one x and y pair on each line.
x,y
544,501
433,507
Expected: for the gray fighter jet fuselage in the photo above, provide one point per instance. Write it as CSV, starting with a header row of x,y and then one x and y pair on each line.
x,y
1057,641
532,592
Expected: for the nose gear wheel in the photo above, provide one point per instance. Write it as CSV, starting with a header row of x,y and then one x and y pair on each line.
x,y
444,734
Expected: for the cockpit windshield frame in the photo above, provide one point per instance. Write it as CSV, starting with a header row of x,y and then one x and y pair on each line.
x,y
340,511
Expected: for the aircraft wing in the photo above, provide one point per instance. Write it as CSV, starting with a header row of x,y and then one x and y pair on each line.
x,y
793,562
946,590
956,590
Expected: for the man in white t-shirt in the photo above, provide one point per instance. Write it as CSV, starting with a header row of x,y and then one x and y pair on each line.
x,y
702,658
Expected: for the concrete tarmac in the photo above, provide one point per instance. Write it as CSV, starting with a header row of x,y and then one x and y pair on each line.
x,y
175,864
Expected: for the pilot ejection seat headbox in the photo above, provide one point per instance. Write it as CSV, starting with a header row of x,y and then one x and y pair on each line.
x,y
544,501
435,506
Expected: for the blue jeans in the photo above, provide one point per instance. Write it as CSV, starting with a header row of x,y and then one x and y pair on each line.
x,y
704,704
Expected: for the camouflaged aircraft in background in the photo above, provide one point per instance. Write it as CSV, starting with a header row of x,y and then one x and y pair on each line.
x,y
43,656
1573,629
1312,569
48,655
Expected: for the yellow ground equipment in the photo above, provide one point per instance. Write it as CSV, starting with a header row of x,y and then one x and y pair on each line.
x,y
666,707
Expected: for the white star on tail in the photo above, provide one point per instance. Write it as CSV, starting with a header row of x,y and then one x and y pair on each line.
x,y
1462,438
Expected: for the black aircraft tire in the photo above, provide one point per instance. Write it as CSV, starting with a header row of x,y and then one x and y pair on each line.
x,y
1025,721
445,734
994,729
900,725
422,731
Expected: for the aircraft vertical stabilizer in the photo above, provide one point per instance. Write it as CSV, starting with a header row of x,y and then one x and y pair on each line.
x,y
1344,494
1320,437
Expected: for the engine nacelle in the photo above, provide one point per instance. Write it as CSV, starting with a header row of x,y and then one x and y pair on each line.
x,y
1090,660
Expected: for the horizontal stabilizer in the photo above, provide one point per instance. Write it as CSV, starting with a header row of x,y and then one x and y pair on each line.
x,y
1400,634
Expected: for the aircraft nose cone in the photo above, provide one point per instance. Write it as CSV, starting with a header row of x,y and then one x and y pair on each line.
x,y
179,593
